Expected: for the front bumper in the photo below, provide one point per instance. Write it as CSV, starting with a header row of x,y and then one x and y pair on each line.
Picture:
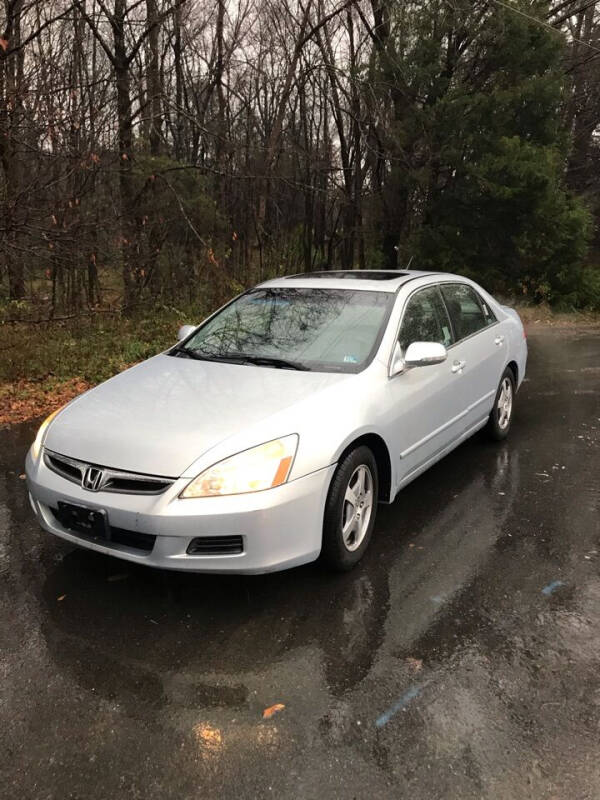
x,y
280,527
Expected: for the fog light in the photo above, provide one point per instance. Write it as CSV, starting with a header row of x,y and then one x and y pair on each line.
x,y
216,546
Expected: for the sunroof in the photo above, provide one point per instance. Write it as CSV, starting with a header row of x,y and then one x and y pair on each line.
x,y
356,274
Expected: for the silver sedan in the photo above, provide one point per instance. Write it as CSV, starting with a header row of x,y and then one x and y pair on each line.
x,y
268,435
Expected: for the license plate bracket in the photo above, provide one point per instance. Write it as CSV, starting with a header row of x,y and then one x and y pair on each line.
x,y
83,521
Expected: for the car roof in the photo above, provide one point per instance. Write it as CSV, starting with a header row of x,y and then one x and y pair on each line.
x,y
381,280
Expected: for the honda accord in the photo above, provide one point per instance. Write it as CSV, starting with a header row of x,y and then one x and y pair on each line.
x,y
267,436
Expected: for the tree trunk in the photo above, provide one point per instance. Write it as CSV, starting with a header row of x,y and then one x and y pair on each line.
x,y
125,146
153,83
179,85
220,127
11,113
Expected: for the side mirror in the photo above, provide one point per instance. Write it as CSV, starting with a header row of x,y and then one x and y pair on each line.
x,y
423,354
184,332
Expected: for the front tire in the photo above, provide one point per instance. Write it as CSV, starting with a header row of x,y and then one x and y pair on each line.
x,y
350,510
501,415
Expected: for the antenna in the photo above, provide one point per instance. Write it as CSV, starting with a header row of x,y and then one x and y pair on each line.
x,y
410,260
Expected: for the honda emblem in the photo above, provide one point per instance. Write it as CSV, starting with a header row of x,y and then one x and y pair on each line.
x,y
92,479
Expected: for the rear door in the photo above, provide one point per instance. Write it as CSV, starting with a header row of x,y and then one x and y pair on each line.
x,y
425,405
479,350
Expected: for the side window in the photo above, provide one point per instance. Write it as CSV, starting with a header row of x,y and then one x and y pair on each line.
x,y
468,312
489,315
425,320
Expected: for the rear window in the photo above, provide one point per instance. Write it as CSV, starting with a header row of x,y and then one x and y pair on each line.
x,y
468,312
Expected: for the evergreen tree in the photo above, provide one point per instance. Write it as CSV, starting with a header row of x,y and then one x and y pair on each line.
x,y
477,152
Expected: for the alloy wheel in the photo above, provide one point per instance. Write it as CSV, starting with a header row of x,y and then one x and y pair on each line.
x,y
357,508
505,401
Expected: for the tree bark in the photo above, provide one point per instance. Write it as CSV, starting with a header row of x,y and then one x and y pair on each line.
x,y
154,88
11,75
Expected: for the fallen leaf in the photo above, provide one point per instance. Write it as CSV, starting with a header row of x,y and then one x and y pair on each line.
x,y
210,737
29,399
268,712
62,597
4,44
416,664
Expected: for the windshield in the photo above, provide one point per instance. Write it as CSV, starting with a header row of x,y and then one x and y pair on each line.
x,y
335,330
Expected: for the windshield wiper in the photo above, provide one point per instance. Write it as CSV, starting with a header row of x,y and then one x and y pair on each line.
x,y
268,361
240,358
187,352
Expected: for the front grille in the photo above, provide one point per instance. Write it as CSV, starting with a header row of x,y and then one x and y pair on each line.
x,y
135,485
113,480
114,536
67,469
215,546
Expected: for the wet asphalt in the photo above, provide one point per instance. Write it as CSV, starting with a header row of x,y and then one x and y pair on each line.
x,y
461,659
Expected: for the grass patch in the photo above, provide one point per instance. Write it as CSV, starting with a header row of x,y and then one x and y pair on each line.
x,y
91,348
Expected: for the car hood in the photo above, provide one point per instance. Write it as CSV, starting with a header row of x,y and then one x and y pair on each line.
x,y
163,414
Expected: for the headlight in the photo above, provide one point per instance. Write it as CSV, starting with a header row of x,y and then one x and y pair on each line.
x,y
259,468
37,444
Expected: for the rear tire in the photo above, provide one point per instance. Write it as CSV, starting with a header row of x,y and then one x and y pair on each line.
x,y
501,415
350,510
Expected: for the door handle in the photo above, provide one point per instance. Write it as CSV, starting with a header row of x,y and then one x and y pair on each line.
x,y
499,340
458,366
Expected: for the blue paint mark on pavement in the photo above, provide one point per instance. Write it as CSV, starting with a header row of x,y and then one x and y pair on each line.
x,y
409,695
550,589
